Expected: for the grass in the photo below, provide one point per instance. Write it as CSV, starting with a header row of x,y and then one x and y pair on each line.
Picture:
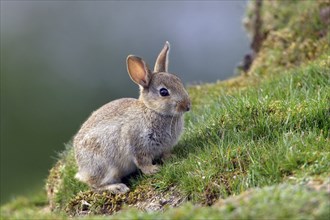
x,y
255,146
255,138
275,202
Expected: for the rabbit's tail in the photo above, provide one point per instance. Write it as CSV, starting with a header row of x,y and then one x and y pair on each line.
x,y
83,177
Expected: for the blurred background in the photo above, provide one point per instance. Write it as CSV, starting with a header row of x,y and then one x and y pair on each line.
x,y
60,60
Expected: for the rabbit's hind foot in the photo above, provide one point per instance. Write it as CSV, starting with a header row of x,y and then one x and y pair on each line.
x,y
118,188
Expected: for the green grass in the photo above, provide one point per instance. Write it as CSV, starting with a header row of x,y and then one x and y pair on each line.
x,y
256,137
28,208
252,146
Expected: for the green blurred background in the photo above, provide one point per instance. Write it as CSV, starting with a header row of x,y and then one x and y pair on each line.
x,y
60,60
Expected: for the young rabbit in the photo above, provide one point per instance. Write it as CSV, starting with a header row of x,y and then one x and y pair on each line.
x,y
127,134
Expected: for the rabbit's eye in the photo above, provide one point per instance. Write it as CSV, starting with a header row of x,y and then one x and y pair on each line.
x,y
164,92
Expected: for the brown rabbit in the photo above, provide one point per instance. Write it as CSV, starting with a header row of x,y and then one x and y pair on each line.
x,y
127,134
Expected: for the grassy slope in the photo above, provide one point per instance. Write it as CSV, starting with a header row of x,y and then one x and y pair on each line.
x,y
268,129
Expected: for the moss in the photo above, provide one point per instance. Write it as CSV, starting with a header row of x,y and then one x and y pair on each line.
x,y
53,182
144,197
90,202
291,40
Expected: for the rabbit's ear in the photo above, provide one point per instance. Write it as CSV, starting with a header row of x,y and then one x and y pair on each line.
x,y
161,64
138,70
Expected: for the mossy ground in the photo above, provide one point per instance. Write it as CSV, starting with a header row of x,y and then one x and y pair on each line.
x,y
252,147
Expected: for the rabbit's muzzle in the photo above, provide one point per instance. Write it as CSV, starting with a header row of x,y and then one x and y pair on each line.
x,y
184,106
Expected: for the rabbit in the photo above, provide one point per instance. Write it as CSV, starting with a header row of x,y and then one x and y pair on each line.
x,y
128,134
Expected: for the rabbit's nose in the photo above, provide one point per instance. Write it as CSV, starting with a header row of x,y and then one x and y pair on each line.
x,y
188,107
184,106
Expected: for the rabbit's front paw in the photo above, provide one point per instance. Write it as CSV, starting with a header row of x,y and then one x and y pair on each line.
x,y
168,156
148,170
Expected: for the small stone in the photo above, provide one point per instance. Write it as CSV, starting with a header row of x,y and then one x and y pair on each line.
x,y
153,207
162,202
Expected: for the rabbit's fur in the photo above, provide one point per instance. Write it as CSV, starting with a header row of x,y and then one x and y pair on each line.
x,y
128,134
